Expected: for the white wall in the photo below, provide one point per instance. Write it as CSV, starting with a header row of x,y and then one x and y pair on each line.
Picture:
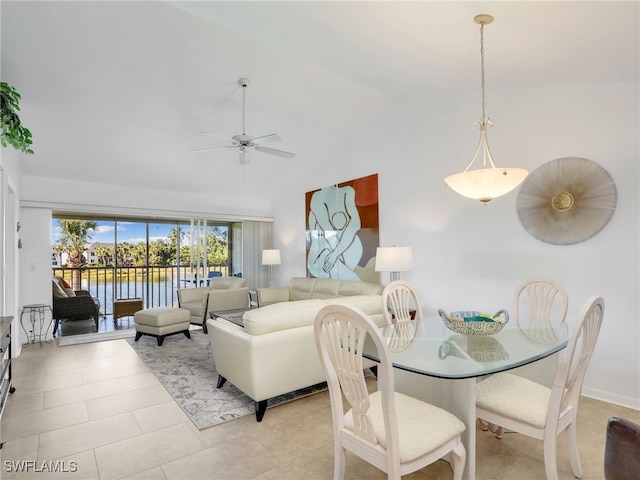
x,y
9,256
472,256
35,267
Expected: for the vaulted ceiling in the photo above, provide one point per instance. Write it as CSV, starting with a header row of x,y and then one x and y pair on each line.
x,y
119,92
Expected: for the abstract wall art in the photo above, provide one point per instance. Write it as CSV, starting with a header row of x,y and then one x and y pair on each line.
x,y
342,230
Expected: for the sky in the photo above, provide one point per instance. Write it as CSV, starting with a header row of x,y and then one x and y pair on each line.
x,y
130,232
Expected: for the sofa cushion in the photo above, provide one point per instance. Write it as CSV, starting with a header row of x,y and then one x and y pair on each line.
x,y
281,316
227,282
369,304
326,288
347,288
301,288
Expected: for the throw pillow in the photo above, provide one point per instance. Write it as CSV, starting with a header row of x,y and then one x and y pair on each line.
x,y
69,292
58,291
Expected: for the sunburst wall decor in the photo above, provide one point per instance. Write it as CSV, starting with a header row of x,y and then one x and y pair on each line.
x,y
566,201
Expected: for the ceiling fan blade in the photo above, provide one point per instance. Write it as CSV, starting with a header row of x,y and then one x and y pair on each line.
x,y
266,139
210,148
273,151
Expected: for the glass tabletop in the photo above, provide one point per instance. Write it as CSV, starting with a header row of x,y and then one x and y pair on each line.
x,y
234,316
428,347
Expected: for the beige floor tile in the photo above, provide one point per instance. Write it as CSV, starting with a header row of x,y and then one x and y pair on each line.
x,y
66,366
155,473
236,459
80,393
161,416
114,371
28,385
127,402
33,423
21,403
146,451
71,440
138,381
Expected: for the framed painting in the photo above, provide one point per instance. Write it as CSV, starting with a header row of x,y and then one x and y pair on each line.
x,y
342,231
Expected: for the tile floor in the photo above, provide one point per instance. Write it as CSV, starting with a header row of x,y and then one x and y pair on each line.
x,y
96,408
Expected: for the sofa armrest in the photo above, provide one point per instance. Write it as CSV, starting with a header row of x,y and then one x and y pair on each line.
x,y
269,295
264,366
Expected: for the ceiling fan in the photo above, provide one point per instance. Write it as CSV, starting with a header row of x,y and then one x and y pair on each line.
x,y
246,142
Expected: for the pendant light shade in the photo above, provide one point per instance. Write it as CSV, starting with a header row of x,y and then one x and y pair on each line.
x,y
488,181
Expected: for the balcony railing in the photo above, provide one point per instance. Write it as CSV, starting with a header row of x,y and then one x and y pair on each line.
x,y
155,285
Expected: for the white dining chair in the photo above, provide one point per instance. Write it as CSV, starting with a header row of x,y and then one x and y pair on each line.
x,y
400,302
536,303
394,432
524,406
539,299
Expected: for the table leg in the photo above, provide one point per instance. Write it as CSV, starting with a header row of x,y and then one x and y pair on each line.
x,y
455,396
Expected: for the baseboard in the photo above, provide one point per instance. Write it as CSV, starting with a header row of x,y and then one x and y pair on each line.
x,y
620,400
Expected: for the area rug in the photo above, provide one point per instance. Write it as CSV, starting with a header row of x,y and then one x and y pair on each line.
x,y
96,337
186,369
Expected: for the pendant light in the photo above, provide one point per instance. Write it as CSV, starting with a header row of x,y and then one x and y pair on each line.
x,y
489,181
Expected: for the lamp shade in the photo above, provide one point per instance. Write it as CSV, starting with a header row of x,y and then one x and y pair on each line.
x,y
271,257
485,184
394,259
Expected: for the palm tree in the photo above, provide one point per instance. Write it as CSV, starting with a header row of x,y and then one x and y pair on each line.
x,y
74,238
105,254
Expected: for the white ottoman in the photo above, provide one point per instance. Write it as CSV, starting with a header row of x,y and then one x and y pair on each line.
x,y
162,321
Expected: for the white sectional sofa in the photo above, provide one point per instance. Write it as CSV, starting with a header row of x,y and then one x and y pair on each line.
x,y
274,352
223,293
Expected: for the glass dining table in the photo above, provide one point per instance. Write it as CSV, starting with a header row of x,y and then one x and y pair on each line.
x,y
442,367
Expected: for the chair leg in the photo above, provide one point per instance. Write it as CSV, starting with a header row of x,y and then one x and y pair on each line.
x,y
138,335
55,327
187,333
339,462
459,456
574,453
550,459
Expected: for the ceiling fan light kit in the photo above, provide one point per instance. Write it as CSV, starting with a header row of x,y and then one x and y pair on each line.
x,y
245,142
489,181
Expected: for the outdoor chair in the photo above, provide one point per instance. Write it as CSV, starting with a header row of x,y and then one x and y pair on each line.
x,y
70,305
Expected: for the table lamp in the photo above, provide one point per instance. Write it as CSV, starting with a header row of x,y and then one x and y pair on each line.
x,y
271,257
394,260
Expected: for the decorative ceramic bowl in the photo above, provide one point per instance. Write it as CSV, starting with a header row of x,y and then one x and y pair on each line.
x,y
480,349
474,323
